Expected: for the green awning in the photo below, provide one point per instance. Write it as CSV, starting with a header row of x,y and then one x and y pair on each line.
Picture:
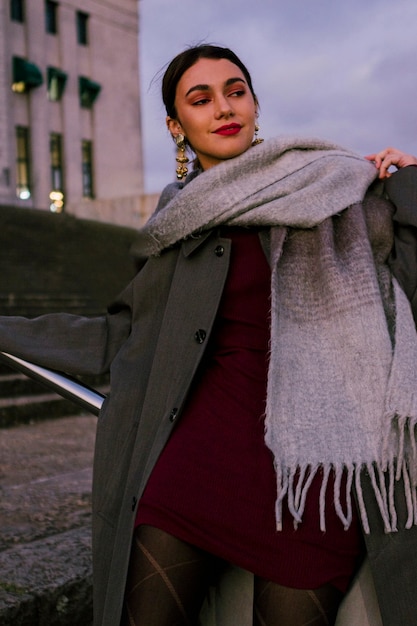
x,y
25,75
56,83
88,91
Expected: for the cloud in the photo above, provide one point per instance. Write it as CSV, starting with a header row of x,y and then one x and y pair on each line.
x,y
342,71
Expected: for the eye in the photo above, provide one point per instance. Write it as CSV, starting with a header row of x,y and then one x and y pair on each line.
x,y
200,101
238,93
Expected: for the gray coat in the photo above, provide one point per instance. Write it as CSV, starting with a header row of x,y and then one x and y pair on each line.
x,y
152,340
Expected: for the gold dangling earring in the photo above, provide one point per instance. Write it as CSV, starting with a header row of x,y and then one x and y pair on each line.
x,y
256,139
181,157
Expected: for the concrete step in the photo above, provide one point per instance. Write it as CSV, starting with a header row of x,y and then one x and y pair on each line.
x,y
14,385
23,400
27,409
31,304
48,582
45,518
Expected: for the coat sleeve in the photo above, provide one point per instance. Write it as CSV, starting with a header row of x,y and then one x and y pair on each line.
x,y
402,191
66,342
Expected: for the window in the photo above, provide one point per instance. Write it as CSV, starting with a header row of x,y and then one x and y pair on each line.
x,y
17,10
51,17
88,91
23,183
56,195
5,177
25,75
82,28
87,168
56,83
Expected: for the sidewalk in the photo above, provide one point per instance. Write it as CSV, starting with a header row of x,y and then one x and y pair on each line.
x,y
45,546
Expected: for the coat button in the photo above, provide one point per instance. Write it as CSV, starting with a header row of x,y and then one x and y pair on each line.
x,y
173,414
200,335
219,250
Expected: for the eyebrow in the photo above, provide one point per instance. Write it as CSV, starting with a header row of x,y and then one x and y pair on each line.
x,y
229,81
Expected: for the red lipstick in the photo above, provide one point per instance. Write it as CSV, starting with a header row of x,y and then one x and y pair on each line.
x,y
228,129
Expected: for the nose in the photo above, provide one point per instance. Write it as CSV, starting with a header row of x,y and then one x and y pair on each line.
x,y
223,107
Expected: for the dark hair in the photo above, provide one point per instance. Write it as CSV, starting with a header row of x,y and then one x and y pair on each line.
x,y
183,61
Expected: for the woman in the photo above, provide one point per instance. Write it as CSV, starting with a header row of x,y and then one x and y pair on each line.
x,y
242,418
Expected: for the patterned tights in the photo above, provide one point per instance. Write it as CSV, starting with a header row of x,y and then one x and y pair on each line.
x,y
168,580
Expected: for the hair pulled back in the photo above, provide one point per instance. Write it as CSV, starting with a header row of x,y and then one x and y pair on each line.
x,y
186,59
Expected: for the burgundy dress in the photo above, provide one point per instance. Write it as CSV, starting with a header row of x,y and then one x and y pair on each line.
x,y
214,484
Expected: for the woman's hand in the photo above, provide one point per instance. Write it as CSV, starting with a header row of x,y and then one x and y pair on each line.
x,y
390,156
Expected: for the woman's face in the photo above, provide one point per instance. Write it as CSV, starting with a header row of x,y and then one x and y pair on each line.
x,y
216,111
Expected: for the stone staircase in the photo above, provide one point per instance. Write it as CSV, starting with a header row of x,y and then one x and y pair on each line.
x,y
56,262
45,513
24,401
50,263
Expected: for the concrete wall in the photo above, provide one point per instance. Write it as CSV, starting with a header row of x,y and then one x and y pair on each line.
x,y
132,211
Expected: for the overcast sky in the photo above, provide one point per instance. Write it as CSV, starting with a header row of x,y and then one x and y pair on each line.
x,y
343,70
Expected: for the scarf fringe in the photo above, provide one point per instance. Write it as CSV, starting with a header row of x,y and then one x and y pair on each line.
x,y
293,485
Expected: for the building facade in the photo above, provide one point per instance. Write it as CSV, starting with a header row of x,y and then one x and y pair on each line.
x,y
70,137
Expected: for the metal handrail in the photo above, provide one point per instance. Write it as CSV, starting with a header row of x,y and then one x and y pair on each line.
x,y
63,384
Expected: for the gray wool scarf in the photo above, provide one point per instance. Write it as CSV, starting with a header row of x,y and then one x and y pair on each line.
x,y
341,394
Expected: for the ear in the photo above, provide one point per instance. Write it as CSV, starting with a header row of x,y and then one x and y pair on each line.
x,y
256,107
174,126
